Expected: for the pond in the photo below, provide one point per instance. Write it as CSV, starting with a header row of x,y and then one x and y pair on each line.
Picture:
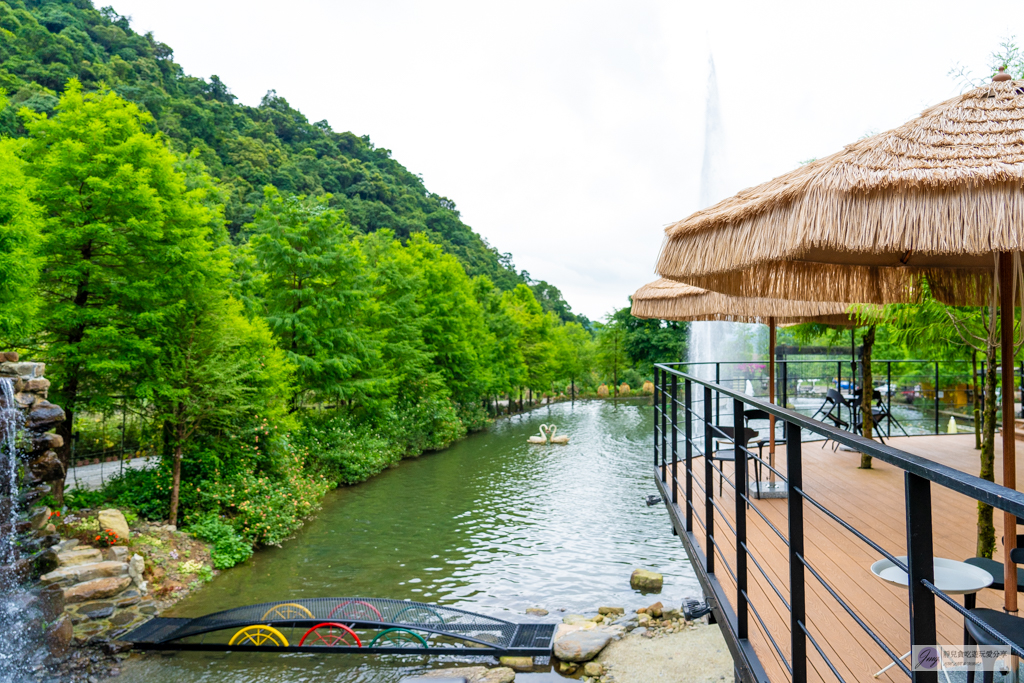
x,y
492,525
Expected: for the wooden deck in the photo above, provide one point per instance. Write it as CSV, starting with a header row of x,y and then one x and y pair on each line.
x,y
872,501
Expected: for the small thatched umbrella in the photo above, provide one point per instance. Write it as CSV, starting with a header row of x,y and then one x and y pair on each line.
x,y
670,300
941,198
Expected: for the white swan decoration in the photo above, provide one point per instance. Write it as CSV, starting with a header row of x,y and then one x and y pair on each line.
x,y
543,438
556,439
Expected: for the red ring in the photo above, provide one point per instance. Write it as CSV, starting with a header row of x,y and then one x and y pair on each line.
x,y
332,623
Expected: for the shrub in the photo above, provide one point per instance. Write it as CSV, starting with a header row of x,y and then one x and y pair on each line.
x,y
229,548
107,538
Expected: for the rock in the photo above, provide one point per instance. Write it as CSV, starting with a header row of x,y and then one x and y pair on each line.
x,y
11,356
474,674
611,610
113,519
50,602
639,631
24,370
517,663
44,561
48,467
536,611
169,528
122,618
82,555
136,570
593,669
597,619
574,619
128,600
44,416
46,442
568,668
64,546
24,399
80,573
58,636
50,529
581,646
655,609
115,553
643,619
97,610
39,518
646,581
37,385
96,589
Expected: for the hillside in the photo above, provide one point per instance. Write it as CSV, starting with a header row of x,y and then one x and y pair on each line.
x,y
45,43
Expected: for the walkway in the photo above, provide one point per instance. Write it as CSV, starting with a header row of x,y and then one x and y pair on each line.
x,y
92,477
872,501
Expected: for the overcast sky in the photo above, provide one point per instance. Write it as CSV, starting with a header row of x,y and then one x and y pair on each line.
x,y
571,133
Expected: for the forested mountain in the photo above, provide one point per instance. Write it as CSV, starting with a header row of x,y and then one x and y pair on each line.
x,y
45,43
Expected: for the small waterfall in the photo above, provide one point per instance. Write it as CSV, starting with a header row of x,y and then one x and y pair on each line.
x,y
13,617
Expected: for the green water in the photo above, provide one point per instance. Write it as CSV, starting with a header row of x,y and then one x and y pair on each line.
x,y
492,525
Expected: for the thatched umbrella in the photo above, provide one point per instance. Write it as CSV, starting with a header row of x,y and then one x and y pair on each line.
x,y
670,300
940,198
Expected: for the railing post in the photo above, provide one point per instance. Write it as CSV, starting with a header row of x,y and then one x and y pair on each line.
x,y
664,427
921,565
688,421
709,483
888,398
936,397
1021,389
656,385
797,604
740,469
675,438
718,380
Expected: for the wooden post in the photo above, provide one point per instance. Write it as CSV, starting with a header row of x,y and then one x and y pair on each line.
x,y
1006,317
771,399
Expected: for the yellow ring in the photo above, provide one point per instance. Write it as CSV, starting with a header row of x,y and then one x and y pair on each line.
x,y
259,635
288,613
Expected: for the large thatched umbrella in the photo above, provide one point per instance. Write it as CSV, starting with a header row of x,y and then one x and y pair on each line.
x,y
670,300
940,198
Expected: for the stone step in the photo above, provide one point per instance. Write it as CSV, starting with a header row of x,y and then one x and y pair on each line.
x,y
80,573
97,589
79,555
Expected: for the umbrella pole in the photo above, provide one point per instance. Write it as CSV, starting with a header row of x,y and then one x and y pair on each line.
x,y
1009,444
771,397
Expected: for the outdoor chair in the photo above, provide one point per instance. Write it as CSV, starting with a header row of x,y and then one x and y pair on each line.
x,y
1011,627
878,413
726,435
832,410
758,414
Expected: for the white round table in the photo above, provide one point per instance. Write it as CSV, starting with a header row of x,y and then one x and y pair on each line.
x,y
950,576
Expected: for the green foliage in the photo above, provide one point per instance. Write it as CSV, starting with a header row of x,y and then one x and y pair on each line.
x,y
229,548
20,225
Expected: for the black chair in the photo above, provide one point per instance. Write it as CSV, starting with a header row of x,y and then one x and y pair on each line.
x,y
758,414
1009,626
725,434
878,413
831,409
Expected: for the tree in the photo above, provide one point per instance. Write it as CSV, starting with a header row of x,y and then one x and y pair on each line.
x,y
574,352
311,280
19,236
611,349
120,228
535,343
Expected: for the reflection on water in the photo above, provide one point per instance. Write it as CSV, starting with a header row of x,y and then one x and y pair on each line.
x,y
492,525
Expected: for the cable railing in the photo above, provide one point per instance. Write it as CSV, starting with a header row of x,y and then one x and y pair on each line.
x,y
772,567
919,396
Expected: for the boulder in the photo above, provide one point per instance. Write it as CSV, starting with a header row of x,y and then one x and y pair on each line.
x,y
115,553
37,385
50,602
48,467
58,636
517,663
70,558
85,572
646,581
593,669
536,611
568,668
24,370
44,561
113,519
574,619
46,442
655,610
39,517
97,610
611,610
643,619
581,646
24,399
96,589
136,570
44,416
11,356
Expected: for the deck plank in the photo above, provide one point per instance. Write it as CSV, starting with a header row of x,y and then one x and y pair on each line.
x,y
872,501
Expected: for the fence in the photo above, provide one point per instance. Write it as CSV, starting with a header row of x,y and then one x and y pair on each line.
x,y
734,544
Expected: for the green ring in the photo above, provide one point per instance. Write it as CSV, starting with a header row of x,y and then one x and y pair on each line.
x,y
398,630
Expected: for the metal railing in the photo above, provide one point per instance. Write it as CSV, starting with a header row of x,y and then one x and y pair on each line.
x,y
685,431
924,393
